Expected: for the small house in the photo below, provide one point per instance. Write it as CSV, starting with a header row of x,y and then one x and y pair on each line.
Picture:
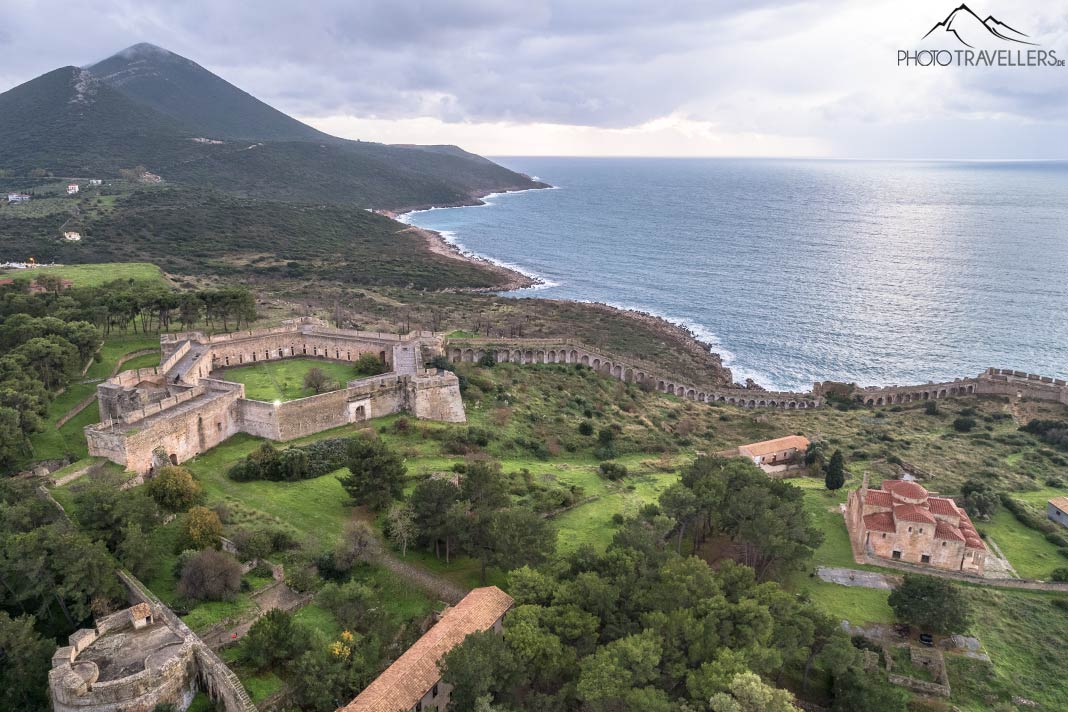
x,y
72,236
72,189
95,182
780,451
18,198
147,177
1057,510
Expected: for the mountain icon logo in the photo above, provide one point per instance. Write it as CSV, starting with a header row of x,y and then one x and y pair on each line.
x,y
971,31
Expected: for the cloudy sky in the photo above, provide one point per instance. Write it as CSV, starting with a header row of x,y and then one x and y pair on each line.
x,y
577,77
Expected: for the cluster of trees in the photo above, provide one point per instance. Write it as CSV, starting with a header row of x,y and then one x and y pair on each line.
x,y
643,627
472,513
732,497
293,463
140,306
53,579
41,354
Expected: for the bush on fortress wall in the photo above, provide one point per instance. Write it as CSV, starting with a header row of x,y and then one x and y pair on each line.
x,y
293,463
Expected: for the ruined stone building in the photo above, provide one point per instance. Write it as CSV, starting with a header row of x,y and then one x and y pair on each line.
x,y
174,412
903,522
413,682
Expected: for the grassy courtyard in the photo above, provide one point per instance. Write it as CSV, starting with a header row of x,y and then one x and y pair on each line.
x,y
284,379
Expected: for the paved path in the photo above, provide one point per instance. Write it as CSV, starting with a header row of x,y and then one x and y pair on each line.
x,y
859,579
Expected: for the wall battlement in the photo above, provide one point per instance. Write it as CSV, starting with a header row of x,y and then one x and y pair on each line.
x,y
993,381
169,414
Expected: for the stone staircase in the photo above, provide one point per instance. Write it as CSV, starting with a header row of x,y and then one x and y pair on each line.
x,y
406,358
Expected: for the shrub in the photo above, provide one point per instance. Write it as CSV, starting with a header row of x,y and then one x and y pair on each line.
x,y
1059,574
931,408
963,424
585,428
210,576
317,380
175,489
613,470
253,544
370,365
488,360
201,529
274,639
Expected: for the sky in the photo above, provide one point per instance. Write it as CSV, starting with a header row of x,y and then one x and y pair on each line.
x,y
575,77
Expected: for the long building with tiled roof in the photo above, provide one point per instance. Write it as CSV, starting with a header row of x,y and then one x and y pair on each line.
x,y
904,522
413,682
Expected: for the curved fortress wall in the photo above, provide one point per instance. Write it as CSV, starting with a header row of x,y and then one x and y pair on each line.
x,y
993,381
172,413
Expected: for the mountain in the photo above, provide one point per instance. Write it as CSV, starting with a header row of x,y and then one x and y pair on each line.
x,y
971,31
185,91
68,120
149,107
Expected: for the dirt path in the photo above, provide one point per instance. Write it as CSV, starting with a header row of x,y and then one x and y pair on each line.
x,y
430,582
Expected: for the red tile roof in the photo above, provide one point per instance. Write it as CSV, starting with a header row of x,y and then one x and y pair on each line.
x,y
913,513
945,531
1060,503
974,542
405,682
943,505
880,522
767,447
905,488
878,498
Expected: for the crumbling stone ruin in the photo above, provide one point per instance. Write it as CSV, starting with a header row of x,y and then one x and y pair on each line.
x,y
171,413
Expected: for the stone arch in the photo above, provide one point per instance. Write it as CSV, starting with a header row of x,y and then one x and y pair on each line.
x,y
551,356
731,400
971,389
469,355
617,371
701,397
723,399
539,357
173,458
661,386
761,404
870,401
585,360
791,404
517,357
773,404
942,393
573,356
596,364
752,404
628,375
528,357
879,400
691,394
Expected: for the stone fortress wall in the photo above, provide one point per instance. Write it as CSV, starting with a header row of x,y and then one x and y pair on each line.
x,y
183,407
993,381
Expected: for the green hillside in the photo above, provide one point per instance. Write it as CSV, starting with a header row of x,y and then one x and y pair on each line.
x,y
193,232
148,107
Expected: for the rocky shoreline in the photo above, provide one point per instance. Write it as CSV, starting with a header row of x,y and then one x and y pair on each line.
x,y
511,279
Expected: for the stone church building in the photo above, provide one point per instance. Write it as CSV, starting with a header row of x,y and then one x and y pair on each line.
x,y
902,521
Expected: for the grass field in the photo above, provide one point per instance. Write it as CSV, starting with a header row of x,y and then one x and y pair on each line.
x,y
284,380
1026,549
94,275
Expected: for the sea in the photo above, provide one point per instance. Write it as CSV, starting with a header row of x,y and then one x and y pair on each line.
x,y
796,271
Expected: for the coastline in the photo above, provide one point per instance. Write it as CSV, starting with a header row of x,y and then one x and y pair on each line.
x,y
680,331
515,277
